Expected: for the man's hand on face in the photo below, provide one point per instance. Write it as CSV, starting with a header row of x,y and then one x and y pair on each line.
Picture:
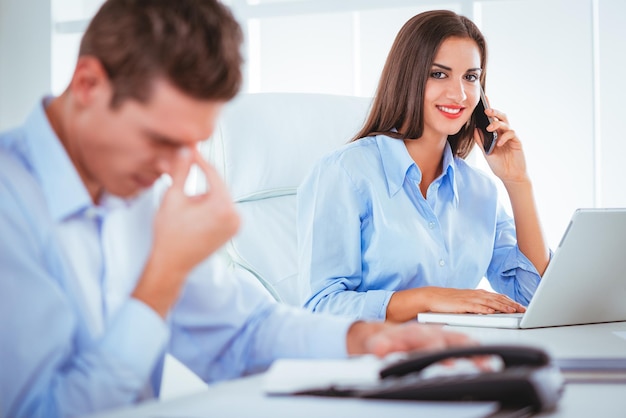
x,y
190,228
187,229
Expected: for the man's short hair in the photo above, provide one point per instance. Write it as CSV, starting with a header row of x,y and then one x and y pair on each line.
x,y
193,44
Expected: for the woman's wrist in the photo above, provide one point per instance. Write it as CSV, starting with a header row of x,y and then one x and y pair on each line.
x,y
519,183
404,305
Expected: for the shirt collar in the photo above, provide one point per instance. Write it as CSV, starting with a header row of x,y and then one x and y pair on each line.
x,y
63,189
397,165
449,169
396,162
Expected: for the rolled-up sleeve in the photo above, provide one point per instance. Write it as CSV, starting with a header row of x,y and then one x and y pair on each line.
x,y
510,272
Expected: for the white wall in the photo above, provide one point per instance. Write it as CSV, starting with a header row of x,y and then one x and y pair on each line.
x,y
541,74
611,140
25,31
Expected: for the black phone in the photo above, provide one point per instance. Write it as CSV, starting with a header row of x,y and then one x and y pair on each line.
x,y
528,381
482,121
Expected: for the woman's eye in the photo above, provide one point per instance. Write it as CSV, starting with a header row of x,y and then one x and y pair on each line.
x,y
437,74
471,77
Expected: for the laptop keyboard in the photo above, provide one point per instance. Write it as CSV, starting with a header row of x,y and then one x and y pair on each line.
x,y
507,315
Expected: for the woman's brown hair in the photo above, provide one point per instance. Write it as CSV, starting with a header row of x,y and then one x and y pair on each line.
x,y
399,99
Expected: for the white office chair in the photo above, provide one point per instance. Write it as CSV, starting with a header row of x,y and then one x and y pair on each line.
x,y
263,147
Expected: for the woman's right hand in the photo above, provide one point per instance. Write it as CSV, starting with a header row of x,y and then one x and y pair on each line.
x,y
404,305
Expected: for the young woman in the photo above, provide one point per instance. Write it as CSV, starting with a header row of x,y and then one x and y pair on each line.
x,y
396,222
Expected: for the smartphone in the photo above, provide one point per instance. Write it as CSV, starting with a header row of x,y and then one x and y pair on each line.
x,y
482,121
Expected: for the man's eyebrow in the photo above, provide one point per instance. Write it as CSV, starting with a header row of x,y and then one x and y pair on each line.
x,y
450,69
161,138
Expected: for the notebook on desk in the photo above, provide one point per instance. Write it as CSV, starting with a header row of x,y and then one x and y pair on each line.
x,y
584,283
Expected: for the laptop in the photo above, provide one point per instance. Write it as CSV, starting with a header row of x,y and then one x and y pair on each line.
x,y
584,283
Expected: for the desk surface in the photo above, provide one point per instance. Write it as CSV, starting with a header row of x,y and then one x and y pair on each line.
x,y
244,398
594,340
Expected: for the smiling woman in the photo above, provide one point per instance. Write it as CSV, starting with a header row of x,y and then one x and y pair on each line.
x,y
419,227
419,57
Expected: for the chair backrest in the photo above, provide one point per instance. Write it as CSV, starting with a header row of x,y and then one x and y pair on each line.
x,y
263,146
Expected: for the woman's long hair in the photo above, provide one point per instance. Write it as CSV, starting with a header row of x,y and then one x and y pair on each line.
x,y
399,99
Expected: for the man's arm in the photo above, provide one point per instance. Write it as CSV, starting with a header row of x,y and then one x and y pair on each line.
x,y
226,325
187,230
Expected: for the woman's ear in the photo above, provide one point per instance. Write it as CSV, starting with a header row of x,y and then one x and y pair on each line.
x,y
90,81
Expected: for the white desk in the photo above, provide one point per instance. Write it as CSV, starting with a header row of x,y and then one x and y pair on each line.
x,y
597,340
243,397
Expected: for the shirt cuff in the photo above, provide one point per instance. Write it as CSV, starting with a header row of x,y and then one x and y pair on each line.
x,y
375,304
337,345
519,277
137,336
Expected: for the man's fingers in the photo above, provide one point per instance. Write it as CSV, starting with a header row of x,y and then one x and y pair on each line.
x,y
455,339
413,336
212,177
180,168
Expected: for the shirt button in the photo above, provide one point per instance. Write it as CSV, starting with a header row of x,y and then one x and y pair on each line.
x,y
431,225
442,263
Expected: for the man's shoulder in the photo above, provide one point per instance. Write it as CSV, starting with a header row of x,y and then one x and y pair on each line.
x,y
20,191
13,153
14,168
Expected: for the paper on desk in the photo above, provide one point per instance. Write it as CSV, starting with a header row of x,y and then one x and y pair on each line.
x,y
294,375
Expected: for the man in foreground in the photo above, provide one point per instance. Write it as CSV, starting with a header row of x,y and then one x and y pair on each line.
x,y
100,275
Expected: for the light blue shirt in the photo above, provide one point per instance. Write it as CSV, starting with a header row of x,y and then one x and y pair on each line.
x,y
365,230
72,340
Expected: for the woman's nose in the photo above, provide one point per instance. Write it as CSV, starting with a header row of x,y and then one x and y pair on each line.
x,y
456,91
